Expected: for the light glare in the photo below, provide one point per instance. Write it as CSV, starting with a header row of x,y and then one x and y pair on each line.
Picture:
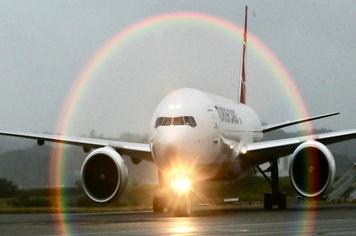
x,y
244,150
180,184
174,106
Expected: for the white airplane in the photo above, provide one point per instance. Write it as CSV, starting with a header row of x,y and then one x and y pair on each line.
x,y
198,136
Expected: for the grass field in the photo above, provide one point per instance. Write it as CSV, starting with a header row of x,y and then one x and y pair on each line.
x,y
138,196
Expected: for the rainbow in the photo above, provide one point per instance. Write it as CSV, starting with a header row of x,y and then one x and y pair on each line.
x,y
118,41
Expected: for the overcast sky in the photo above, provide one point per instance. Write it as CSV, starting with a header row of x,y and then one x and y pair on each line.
x,y
45,44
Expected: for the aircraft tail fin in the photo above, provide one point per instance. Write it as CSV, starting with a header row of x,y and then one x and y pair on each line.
x,y
242,91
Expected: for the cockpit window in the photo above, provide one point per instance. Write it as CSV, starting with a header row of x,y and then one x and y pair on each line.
x,y
189,120
158,121
178,121
166,121
181,120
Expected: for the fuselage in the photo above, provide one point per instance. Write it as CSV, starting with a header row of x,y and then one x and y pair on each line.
x,y
189,127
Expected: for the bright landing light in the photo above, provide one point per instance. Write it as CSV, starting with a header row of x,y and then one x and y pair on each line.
x,y
180,184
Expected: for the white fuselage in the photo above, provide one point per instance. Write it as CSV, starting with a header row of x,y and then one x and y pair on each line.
x,y
188,128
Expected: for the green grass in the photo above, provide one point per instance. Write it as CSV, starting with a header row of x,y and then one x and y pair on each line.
x,y
137,196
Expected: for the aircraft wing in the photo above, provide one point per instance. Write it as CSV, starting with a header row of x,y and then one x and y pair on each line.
x,y
260,152
269,128
140,151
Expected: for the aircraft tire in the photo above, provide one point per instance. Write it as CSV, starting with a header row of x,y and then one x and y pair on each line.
x,y
279,199
267,201
158,204
282,201
182,208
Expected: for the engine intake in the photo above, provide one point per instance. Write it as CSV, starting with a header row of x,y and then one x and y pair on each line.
x,y
104,175
312,169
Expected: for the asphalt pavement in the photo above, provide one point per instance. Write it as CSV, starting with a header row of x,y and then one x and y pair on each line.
x,y
325,220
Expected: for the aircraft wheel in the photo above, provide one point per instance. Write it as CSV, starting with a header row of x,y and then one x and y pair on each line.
x,y
277,199
182,208
267,201
282,201
158,204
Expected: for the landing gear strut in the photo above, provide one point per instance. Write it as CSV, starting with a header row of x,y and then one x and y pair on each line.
x,y
178,203
275,198
159,203
180,206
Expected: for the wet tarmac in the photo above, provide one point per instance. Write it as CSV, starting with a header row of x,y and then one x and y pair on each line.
x,y
326,220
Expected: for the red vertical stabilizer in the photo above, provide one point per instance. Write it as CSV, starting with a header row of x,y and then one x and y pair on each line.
x,y
242,92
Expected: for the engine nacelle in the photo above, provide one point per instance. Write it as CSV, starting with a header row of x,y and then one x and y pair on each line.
x,y
104,175
311,169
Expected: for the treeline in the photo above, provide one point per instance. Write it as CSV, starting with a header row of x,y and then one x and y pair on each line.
x,y
250,188
247,189
135,194
37,197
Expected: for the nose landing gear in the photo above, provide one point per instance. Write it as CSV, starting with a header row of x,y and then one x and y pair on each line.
x,y
179,206
159,203
174,197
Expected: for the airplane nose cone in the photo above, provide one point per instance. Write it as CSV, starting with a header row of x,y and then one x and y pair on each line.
x,y
165,153
172,148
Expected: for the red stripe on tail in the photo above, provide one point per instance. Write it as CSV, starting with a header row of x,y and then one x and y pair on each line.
x,y
242,93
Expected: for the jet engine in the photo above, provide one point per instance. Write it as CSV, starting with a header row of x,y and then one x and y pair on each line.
x,y
104,175
311,169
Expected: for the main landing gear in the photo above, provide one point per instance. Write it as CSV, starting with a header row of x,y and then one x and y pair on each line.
x,y
175,197
275,198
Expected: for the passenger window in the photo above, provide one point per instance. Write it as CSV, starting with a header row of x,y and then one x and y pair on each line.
x,y
189,120
178,121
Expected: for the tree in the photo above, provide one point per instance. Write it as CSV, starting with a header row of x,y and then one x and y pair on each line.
x,y
7,188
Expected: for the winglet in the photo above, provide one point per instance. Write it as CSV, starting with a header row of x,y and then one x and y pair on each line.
x,y
242,91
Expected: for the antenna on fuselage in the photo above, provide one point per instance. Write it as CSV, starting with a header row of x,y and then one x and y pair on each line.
x,y
242,91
